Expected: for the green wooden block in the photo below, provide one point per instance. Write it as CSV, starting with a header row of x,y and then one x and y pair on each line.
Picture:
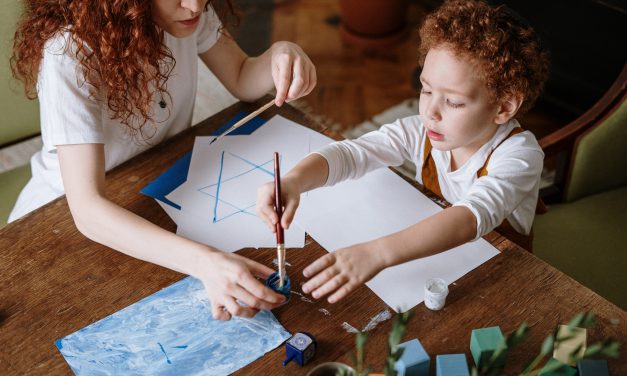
x,y
483,343
562,369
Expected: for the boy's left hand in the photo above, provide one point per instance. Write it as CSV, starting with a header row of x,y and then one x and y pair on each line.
x,y
340,272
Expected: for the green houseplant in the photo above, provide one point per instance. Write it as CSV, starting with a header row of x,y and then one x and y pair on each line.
x,y
606,348
394,351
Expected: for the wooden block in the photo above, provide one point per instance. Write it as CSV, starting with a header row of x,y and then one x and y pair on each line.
x,y
451,365
564,349
593,367
414,361
563,369
483,343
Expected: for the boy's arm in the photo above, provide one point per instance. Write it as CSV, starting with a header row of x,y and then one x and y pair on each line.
x,y
341,272
440,232
390,145
308,174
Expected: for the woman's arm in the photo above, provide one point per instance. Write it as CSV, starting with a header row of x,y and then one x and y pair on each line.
x,y
284,66
227,277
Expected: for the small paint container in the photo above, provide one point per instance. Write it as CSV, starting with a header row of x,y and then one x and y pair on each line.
x,y
436,291
273,283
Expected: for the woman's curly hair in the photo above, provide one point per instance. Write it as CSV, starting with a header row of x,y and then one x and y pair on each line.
x,y
119,48
505,49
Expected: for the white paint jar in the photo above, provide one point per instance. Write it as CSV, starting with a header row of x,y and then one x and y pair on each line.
x,y
436,291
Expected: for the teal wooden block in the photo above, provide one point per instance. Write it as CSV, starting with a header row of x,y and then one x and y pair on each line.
x,y
562,369
483,343
451,365
593,367
414,361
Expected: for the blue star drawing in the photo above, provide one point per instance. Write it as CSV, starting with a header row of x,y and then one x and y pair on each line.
x,y
227,191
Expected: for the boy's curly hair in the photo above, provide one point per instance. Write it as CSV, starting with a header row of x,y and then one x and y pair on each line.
x,y
119,48
505,49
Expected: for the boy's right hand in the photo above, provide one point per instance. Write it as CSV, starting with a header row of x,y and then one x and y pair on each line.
x,y
290,191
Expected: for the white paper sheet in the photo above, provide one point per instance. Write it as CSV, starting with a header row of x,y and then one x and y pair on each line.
x,y
218,205
171,211
378,204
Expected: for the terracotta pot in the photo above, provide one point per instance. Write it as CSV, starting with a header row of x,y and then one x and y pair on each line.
x,y
373,23
329,369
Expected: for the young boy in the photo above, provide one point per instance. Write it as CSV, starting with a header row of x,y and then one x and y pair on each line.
x,y
481,66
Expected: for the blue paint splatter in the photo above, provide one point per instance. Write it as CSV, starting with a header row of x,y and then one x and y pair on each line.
x,y
181,314
163,351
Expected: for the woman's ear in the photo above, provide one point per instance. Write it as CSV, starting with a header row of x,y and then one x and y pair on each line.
x,y
507,109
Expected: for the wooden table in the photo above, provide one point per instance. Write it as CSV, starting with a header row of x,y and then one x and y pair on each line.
x,y
55,281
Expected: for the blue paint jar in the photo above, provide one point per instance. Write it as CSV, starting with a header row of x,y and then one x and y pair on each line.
x,y
273,283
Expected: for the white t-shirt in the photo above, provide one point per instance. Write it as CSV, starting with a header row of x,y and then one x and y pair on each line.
x,y
509,191
70,116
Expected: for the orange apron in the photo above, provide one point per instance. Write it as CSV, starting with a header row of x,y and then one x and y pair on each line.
x,y
430,181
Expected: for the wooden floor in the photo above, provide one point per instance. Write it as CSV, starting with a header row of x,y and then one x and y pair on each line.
x,y
354,85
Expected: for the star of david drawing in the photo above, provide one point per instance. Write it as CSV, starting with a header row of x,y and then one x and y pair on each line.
x,y
235,190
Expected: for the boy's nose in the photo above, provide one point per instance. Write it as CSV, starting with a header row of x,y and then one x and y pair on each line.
x,y
432,111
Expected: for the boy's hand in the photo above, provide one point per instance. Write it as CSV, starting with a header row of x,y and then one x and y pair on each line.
x,y
265,203
341,272
231,278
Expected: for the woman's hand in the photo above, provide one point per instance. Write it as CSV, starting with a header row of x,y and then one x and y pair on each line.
x,y
340,272
283,66
290,192
230,281
293,72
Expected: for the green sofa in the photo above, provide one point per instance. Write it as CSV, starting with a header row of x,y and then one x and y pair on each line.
x,y
585,236
20,116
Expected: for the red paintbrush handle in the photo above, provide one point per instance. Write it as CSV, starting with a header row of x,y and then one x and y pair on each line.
x,y
278,204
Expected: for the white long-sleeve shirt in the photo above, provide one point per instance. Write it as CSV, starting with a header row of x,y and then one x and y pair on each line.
x,y
509,191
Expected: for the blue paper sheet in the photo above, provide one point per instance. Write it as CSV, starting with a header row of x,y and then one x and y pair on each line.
x,y
170,332
169,181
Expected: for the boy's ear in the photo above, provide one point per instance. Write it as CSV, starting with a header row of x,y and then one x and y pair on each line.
x,y
507,108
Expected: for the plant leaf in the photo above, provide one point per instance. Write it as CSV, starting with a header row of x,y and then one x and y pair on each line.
x,y
547,345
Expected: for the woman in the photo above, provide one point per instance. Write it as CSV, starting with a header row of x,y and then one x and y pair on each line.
x,y
114,77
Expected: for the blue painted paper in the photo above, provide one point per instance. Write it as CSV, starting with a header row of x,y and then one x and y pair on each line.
x,y
171,332
247,128
176,175
171,179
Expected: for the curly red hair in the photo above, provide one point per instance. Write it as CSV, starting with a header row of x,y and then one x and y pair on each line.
x,y
505,49
120,49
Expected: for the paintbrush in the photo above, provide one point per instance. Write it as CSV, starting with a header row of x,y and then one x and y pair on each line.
x,y
243,121
280,242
